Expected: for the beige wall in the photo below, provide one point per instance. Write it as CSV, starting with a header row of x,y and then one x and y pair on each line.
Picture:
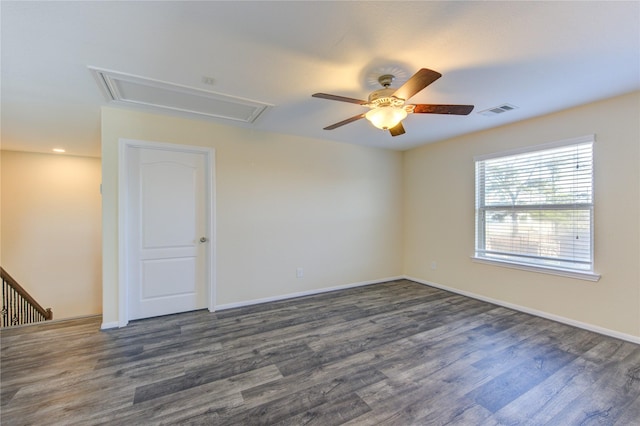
x,y
439,217
349,214
51,224
282,202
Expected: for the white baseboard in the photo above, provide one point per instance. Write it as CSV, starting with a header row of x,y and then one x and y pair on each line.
x,y
542,314
56,321
303,293
108,325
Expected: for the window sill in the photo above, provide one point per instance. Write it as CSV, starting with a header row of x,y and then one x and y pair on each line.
x,y
587,276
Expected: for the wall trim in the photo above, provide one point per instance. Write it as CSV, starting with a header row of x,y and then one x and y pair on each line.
x,y
53,321
304,293
108,325
589,327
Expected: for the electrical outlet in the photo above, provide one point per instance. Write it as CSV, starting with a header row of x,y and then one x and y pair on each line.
x,y
434,265
299,272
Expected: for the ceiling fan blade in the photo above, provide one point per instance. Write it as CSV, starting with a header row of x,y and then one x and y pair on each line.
x,y
339,98
416,83
443,109
397,130
347,121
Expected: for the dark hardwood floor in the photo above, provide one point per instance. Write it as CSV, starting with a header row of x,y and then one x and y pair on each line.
x,y
396,353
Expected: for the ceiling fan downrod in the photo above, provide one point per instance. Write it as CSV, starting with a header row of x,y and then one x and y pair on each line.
x,y
386,79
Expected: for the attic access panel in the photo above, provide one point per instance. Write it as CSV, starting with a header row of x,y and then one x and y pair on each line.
x,y
136,91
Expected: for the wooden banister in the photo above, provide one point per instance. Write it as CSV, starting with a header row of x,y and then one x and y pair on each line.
x,y
10,284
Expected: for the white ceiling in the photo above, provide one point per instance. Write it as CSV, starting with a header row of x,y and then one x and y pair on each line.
x,y
539,56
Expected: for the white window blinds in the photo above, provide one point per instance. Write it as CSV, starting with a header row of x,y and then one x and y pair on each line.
x,y
536,208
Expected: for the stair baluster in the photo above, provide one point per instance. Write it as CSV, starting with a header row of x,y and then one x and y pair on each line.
x,y
18,306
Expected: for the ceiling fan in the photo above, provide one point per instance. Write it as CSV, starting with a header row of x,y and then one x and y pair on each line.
x,y
387,105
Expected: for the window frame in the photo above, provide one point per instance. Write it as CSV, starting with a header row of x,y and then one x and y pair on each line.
x,y
480,230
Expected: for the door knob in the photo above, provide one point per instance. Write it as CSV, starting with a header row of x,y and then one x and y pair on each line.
x,y
203,239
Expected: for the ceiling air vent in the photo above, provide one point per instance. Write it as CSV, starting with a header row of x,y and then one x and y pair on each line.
x,y
498,110
135,91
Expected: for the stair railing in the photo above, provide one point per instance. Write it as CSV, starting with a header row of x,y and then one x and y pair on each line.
x,y
18,307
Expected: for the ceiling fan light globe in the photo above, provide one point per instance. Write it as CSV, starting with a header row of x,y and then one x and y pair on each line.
x,y
386,117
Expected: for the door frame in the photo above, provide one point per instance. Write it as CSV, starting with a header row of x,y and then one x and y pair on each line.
x,y
124,148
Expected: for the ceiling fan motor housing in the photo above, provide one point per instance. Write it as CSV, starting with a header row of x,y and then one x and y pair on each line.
x,y
384,97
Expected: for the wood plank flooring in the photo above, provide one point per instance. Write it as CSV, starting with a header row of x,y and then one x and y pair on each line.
x,y
396,353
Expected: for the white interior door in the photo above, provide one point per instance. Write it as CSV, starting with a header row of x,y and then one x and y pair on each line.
x,y
168,235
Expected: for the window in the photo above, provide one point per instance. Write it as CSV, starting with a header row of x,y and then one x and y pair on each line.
x,y
535,208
